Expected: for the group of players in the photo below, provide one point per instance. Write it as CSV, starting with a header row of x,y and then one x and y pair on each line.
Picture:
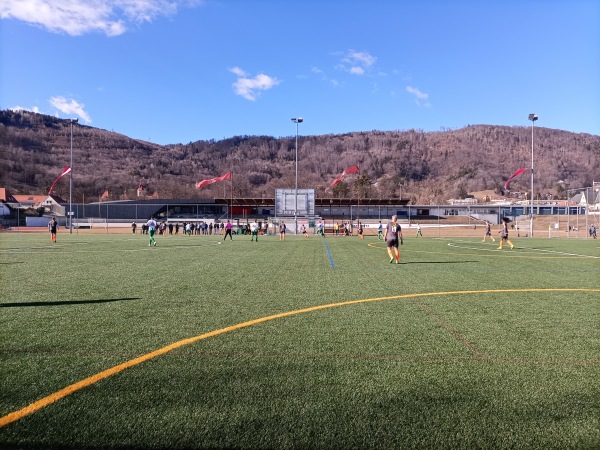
x,y
503,234
393,234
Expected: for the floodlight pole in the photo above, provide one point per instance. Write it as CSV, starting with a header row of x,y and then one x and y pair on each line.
x,y
533,118
296,120
71,182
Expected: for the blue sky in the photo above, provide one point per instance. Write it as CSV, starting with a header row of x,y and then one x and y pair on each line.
x,y
177,71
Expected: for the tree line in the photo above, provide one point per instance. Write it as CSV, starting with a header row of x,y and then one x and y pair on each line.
x,y
424,167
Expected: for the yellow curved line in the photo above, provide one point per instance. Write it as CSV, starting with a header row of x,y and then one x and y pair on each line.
x,y
52,398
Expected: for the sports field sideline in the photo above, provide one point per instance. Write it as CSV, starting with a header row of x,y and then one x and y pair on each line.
x,y
306,343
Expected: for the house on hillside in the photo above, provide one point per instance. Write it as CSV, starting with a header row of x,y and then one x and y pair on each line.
x,y
14,208
590,197
587,197
27,201
7,205
5,210
52,204
6,197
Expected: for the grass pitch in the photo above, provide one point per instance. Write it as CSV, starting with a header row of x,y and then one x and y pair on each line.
x,y
308,343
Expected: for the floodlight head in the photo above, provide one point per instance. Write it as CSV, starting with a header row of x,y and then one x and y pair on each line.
x,y
300,119
74,120
533,117
297,119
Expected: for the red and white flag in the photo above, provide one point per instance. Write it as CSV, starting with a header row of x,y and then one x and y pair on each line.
x,y
64,172
203,183
518,172
351,169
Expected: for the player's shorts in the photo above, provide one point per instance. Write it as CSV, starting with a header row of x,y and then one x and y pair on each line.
x,y
392,243
151,232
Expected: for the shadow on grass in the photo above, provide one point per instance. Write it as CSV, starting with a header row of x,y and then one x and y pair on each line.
x,y
67,302
36,446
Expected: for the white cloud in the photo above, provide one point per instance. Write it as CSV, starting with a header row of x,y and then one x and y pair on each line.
x,y
421,98
70,107
362,58
78,17
239,72
248,87
35,109
324,77
356,63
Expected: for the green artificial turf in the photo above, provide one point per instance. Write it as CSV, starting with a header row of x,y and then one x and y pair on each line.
x,y
317,344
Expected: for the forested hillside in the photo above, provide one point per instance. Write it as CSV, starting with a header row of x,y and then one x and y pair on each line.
x,y
422,166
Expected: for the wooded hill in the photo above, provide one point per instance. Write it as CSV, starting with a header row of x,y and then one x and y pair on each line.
x,y
425,167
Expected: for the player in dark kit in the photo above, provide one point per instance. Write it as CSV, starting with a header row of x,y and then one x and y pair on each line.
x,y
53,227
393,236
504,235
488,232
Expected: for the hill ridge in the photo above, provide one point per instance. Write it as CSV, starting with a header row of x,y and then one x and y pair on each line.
x,y
426,167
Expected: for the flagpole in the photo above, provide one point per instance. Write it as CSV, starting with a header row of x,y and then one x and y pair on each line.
x,y
296,120
231,205
358,205
71,182
533,118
